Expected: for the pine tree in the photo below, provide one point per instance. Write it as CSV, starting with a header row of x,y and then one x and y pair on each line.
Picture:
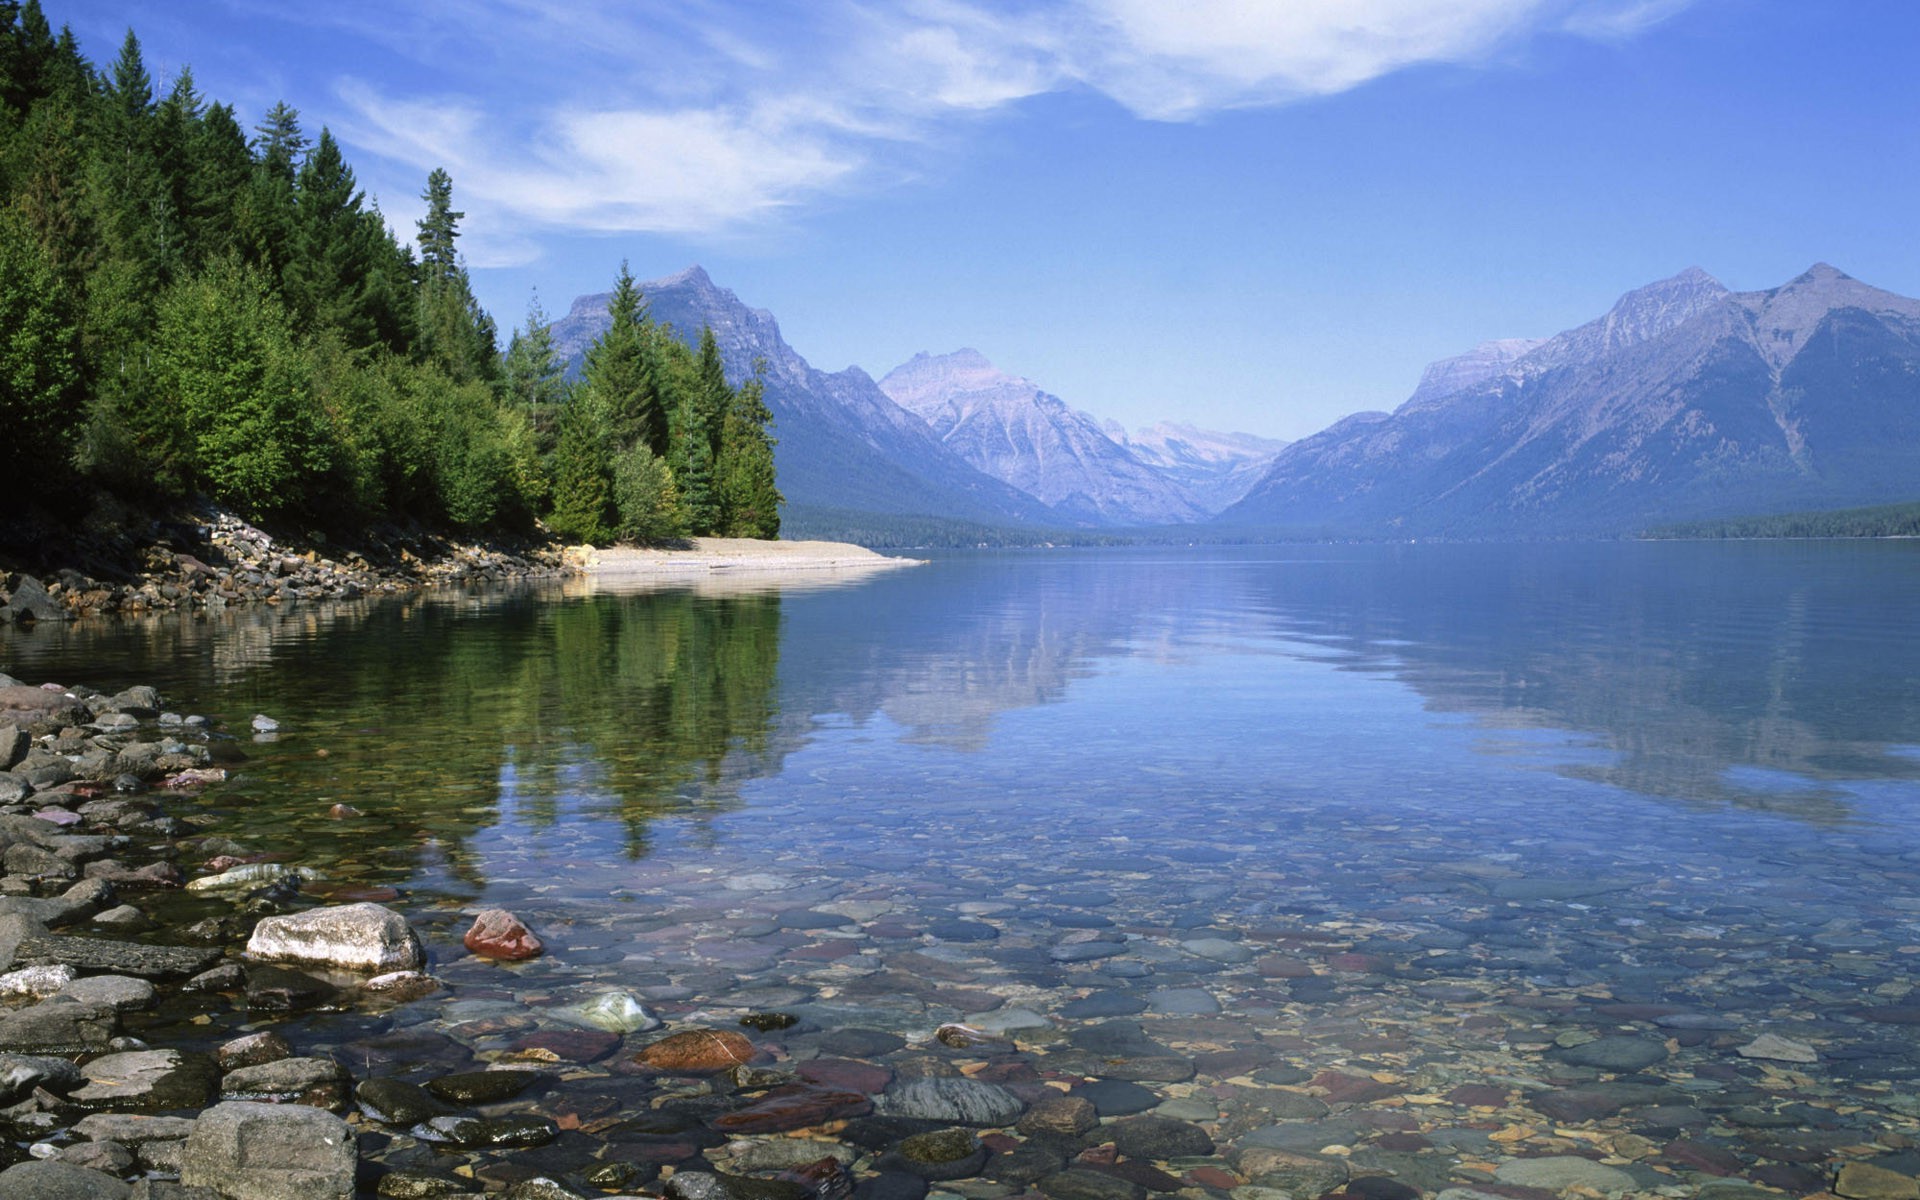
x,y
619,370
39,362
749,496
454,330
534,374
583,509
326,281
691,461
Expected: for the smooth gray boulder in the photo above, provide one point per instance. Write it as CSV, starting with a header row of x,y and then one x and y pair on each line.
x,y
250,1151
353,937
60,1181
146,1079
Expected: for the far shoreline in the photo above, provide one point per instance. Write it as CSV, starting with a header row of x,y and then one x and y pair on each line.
x,y
707,555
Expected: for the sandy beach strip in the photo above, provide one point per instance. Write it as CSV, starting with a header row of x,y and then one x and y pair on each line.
x,y
698,556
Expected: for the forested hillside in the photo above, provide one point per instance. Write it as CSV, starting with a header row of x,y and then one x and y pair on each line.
x,y
194,307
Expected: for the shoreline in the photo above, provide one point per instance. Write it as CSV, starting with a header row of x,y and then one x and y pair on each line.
x,y
734,555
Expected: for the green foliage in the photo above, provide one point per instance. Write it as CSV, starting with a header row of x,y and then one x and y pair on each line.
x,y
39,360
749,500
583,508
187,310
645,497
231,408
1884,520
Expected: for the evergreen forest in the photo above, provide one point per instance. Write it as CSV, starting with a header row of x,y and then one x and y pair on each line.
x,y
191,307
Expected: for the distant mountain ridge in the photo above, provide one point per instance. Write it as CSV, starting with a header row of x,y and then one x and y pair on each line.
x,y
842,443
1685,400
1007,427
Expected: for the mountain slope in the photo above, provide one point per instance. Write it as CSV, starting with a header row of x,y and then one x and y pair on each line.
x,y
842,443
1007,427
1215,469
1684,401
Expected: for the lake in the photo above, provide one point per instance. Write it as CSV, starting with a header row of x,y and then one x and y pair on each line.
x,y
1400,861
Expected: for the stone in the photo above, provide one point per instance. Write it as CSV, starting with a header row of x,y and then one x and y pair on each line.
x,y
30,602
281,989
1160,1138
482,1087
540,1188
793,1106
1218,950
20,1074
58,1027
697,1052
1116,1097
111,1157
319,1082
146,1079
955,1101
247,876
133,1129
36,982
498,934
252,1050
1864,1181
397,1102
1618,1052
103,955
1559,1173
939,1155
1292,1172
354,937
1078,952
121,993
617,1012
476,1133
1078,1183
1067,1116
14,742
1187,1002
1773,1047
270,1152
413,1184
60,1181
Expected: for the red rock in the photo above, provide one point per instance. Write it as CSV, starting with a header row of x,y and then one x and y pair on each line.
x,y
343,810
571,1045
794,1106
825,951
1278,966
1701,1157
497,933
697,1052
353,893
1213,1177
1353,1089
1360,964
1478,1095
846,1074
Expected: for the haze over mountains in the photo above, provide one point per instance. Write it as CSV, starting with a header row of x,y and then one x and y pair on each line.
x,y
1685,400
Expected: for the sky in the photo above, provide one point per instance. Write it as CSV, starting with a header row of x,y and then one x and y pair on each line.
x,y
1256,215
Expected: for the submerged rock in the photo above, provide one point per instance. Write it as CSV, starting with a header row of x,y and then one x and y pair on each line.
x,y
497,933
355,937
697,1052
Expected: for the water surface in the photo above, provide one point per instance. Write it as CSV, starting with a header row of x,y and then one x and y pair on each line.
x,y
1432,814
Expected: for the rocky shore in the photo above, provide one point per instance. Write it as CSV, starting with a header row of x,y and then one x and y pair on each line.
x,y
213,559
185,1017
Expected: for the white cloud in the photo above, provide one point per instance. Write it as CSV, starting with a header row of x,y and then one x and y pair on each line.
x,y
716,115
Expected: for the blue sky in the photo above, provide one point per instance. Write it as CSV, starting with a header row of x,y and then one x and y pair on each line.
x,y
1249,215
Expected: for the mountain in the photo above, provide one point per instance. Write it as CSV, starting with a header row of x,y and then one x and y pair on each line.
x,y
842,443
1214,469
1684,401
1013,431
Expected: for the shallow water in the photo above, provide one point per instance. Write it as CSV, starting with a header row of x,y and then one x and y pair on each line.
x,y
1426,816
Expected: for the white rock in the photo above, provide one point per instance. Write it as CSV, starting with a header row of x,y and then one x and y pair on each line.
x,y
251,875
37,982
615,1012
1778,1049
265,724
356,937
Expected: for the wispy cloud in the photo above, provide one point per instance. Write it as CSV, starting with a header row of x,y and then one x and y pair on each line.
x,y
712,116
